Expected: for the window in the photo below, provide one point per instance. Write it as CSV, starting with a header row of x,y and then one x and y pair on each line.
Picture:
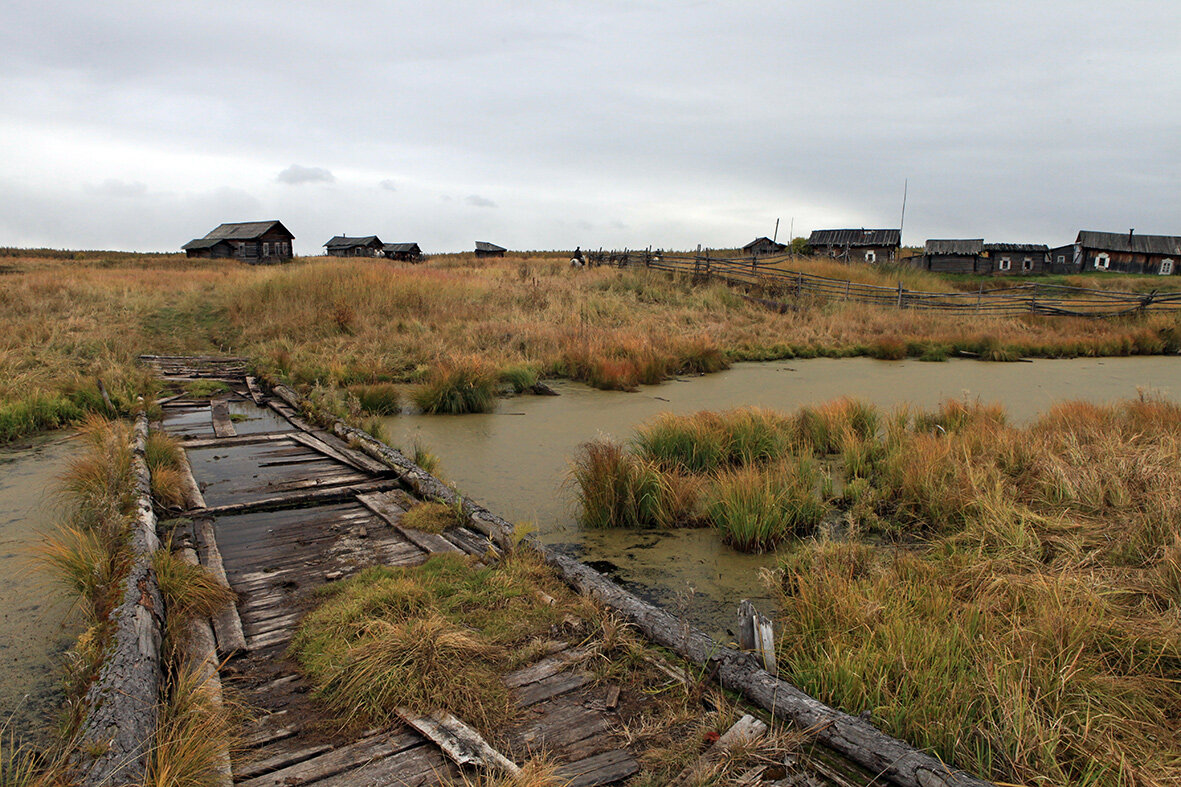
x,y
871,256
1005,264
241,249
1166,268
1061,259
1103,262
266,249
1027,264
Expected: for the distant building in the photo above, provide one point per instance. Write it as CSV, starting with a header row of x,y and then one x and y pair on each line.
x,y
764,247
857,245
1062,259
951,256
1127,252
1015,259
344,246
407,252
255,242
486,249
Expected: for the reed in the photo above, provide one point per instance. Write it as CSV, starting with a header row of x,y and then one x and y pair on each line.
x,y
617,489
378,398
757,508
462,385
193,729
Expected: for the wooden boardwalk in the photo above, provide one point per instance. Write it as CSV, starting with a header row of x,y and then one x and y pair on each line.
x,y
288,508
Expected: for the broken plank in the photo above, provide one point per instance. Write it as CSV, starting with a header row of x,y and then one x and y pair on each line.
x,y
281,759
369,466
745,730
539,670
313,497
606,768
242,439
457,740
222,425
420,765
192,492
255,392
334,762
226,623
384,505
553,686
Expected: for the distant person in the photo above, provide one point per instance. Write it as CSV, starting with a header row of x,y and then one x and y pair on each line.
x,y
576,261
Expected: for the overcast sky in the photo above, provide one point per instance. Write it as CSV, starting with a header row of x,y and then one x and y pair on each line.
x,y
140,125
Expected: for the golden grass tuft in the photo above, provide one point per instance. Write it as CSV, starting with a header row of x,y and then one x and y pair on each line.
x,y
432,517
193,729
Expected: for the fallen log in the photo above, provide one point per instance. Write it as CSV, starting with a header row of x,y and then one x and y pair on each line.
x,y
227,624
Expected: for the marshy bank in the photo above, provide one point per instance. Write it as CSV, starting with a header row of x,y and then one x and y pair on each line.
x,y
516,459
35,620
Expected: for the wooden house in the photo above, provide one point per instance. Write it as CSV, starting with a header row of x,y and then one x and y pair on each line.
x,y
486,249
255,242
344,246
857,245
406,252
1015,259
1127,252
1063,260
763,247
951,256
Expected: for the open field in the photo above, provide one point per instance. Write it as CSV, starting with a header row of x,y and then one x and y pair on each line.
x,y
70,320
1008,597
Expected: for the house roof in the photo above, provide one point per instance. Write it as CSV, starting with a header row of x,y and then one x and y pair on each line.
x,y
345,242
483,245
759,241
203,243
852,238
955,246
245,230
1040,248
403,247
1130,242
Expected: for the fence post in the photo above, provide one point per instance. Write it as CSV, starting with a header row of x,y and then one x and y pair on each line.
x,y
799,285
979,297
900,294
756,635
847,283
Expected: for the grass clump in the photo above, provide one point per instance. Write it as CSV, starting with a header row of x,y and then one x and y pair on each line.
x,y
757,508
456,387
378,398
436,635
165,461
618,489
518,377
190,592
433,517
191,733
706,441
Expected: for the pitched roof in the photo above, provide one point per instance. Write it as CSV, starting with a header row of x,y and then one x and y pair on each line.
x,y
965,247
245,230
203,243
762,240
852,238
403,247
483,245
345,242
1130,242
1039,248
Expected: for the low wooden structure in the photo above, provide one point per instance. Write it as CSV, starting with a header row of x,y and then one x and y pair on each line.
x,y
860,245
255,242
951,256
763,247
1015,259
486,249
345,246
404,252
1127,252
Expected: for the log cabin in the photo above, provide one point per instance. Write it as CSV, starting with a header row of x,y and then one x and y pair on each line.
x,y
860,245
254,242
344,246
1015,259
486,249
406,252
951,255
1126,252
763,247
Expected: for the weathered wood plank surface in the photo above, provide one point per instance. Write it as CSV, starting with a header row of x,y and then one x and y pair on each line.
x,y
223,426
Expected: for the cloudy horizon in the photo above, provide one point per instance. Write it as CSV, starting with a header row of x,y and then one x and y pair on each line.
x,y
607,124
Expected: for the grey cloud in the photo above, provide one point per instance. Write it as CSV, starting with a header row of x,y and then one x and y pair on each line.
x,y
477,201
295,174
119,189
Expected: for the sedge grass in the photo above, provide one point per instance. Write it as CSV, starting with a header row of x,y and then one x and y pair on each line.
x,y
615,488
458,386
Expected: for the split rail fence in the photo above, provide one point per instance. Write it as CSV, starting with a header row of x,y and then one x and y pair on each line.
x,y
766,275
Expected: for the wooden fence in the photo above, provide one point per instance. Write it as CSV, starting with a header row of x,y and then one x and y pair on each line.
x,y
782,285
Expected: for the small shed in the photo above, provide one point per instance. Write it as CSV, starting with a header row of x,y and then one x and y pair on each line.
x,y
857,245
1015,259
763,247
952,255
255,242
344,246
407,252
1128,252
1063,259
486,249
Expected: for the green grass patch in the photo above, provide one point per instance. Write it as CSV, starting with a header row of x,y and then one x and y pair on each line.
x,y
433,517
457,387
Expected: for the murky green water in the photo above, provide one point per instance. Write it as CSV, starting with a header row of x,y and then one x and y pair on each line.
x,y
515,460
35,627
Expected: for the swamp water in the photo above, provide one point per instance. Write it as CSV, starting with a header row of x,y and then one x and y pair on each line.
x,y
35,628
515,461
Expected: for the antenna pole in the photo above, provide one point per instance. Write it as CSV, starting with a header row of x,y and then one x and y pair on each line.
x,y
775,237
902,221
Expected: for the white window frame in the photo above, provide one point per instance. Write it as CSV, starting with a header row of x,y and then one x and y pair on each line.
x,y
1004,264
1027,264
1102,261
1061,259
871,256
266,248
1166,267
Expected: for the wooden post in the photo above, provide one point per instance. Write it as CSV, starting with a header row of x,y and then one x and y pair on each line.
x,y
848,282
799,285
757,635
979,297
899,294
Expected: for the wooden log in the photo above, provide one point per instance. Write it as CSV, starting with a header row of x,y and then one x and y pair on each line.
x,y
226,623
219,410
192,492
201,658
255,392
458,741
756,635
122,705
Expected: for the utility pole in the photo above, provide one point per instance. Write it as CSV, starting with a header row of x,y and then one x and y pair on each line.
x,y
775,237
902,221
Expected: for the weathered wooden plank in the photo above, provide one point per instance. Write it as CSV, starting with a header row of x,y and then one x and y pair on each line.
x,y
226,623
553,686
242,439
560,723
756,635
271,728
414,767
273,758
471,542
746,729
546,667
256,628
458,741
192,492
364,464
255,391
295,500
222,425
384,505
606,768
342,759
270,639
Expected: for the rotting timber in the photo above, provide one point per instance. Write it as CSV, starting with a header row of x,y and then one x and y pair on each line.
x,y
280,507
